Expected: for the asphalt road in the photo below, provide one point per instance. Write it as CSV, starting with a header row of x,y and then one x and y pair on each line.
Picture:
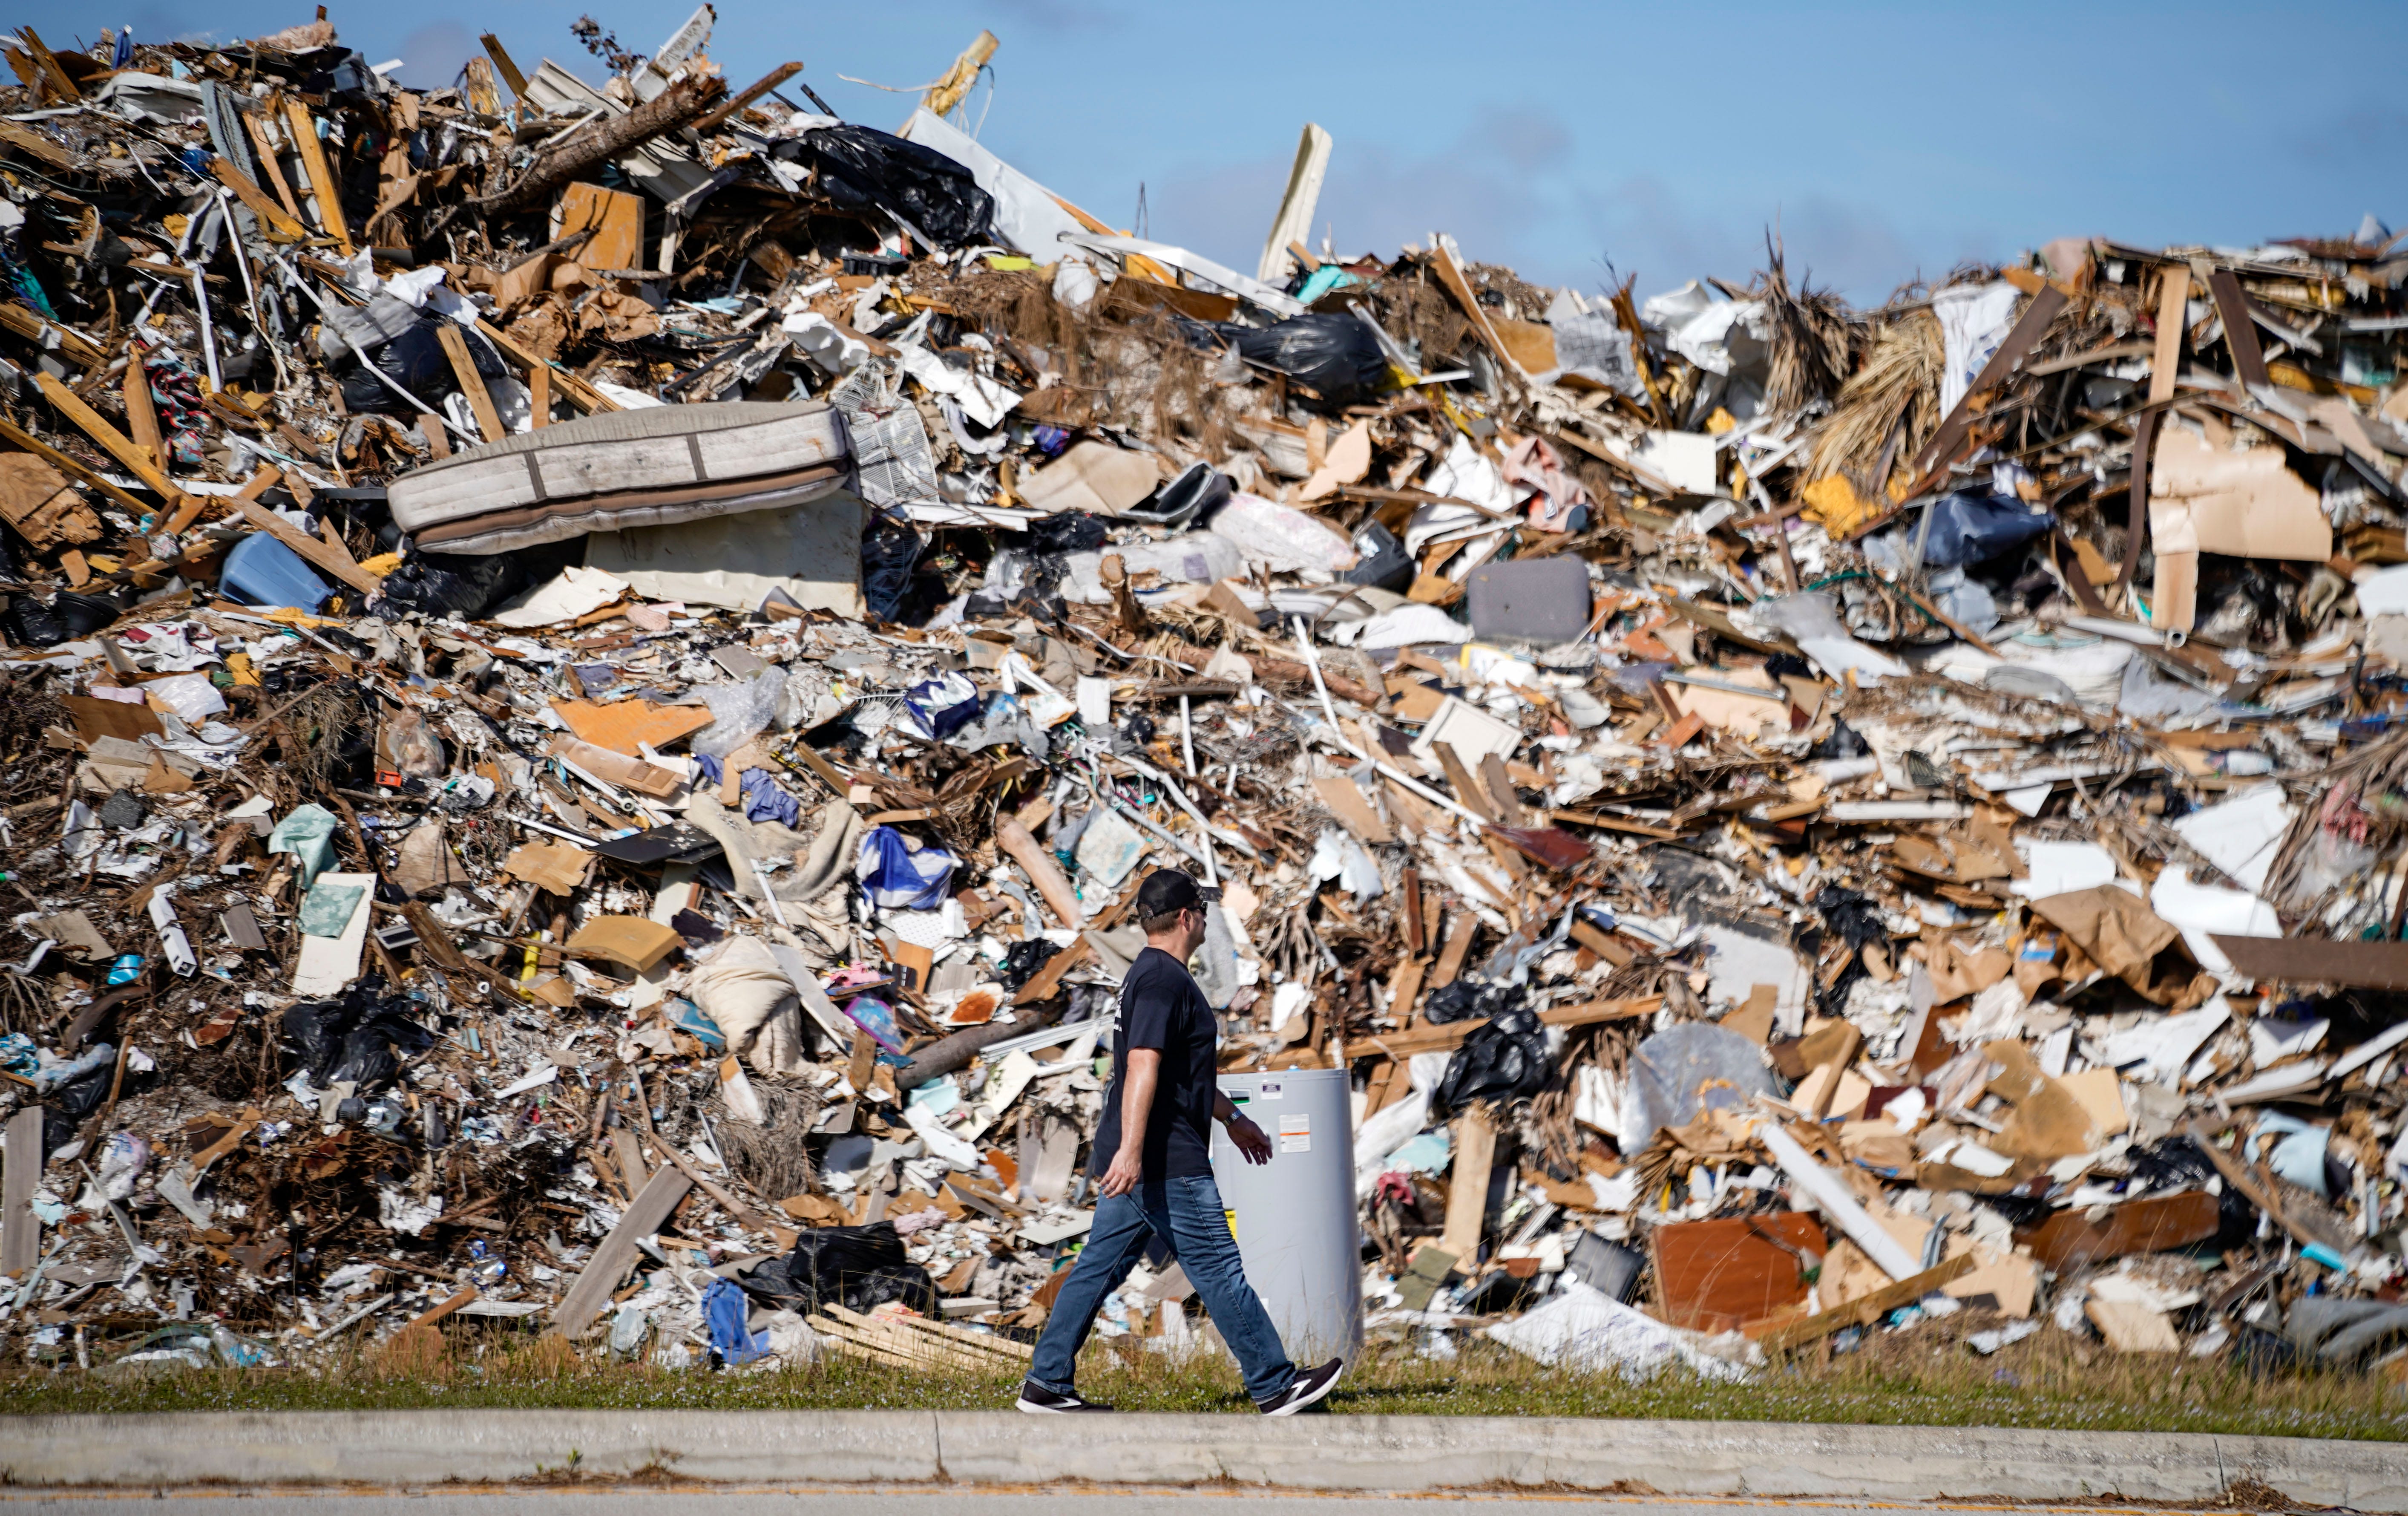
x,y
889,1500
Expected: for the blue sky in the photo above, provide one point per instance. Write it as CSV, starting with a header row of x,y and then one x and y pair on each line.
x,y
1886,141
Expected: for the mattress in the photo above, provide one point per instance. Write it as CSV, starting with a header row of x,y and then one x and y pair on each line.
x,y
656,467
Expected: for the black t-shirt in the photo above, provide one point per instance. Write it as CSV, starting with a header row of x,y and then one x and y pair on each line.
x,y
1161,1008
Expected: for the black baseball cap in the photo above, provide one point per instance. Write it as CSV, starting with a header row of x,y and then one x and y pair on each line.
x,y
1166,891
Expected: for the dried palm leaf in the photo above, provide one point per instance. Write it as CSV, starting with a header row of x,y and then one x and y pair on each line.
x,y
1813,340
1898,384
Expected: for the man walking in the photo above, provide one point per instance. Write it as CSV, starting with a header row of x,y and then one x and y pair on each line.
x,y
1153,1159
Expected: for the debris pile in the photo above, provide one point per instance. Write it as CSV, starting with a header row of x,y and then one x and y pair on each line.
x,y
591,670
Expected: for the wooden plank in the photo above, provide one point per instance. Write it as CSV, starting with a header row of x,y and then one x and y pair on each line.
x,y
1616,823
2020,340
634,1173
1722,1273
1343,798
35,145
581,394
67,463
1404,986
1458,942
436,1313
2240,330
48,64
271,164
539,394
2174,300
253,488
252,195
613,1255
1450,1035
1865,1309
1500,786
74,346
20,1231
740,100
1451,275
322,177
472,383
1444,1037
2238,1177
2314,960
726,1198
956,81
319,554
1467,1194
119,446
508,66
142,416
1045,981
1589,1013
614,217
1458,778
2173,296
2069,1239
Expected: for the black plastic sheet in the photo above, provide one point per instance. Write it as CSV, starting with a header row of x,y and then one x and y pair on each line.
x,y
860,168
858,1268
1503,1058
1333,354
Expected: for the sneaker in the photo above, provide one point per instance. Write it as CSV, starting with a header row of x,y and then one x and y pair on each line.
x,y
1038,1401
1307,1388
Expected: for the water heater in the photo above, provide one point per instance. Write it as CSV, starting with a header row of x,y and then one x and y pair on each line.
x,y
1294,1216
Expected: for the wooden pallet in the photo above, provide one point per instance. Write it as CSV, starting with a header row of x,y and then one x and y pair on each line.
x,y
913,1342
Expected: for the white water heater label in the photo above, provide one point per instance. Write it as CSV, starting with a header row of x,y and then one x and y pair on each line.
x,y
1296,1133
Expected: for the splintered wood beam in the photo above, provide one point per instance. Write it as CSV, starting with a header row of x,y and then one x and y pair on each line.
x,y
616,1253
136,458
322,177
472,383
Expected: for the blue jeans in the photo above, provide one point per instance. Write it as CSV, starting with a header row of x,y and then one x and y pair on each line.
x,y
1189,1213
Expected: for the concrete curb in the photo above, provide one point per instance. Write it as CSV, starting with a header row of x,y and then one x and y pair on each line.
x,y
1317,1452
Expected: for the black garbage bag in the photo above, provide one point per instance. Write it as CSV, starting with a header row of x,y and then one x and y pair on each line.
x,y
1470,999
861,168
858,1268
1856,919
343,74
1332,353
2173,1161
1974,525
32,624
1503,1058
450,584
1072,531
358,1037
1844,743
890,550
1195,493
416,361
64,1108
1022,959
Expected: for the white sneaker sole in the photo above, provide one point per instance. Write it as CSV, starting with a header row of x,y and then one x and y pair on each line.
x,y
1314,1398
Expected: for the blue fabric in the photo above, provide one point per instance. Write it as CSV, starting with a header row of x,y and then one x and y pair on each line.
x,y
898,878
939,707
724,1308
687,1016
1187,1213
764,801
